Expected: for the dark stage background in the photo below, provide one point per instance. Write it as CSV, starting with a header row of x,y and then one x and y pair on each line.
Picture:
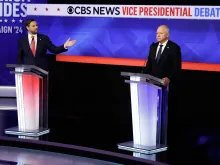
x,y
90,106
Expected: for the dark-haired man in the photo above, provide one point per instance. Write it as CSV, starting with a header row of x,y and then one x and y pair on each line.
x,y
33,46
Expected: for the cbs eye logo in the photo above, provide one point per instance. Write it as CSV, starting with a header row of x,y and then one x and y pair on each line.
x,y
70,10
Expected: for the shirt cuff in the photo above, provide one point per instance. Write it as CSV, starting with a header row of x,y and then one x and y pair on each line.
x,y
64,47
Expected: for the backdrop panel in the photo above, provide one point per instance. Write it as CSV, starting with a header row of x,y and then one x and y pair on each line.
x,y
12,16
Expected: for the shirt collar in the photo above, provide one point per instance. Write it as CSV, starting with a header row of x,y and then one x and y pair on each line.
x,y
29,35
164,44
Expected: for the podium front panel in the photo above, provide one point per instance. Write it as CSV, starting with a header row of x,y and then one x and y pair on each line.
x,y
145,112
32,106
149,116
28,100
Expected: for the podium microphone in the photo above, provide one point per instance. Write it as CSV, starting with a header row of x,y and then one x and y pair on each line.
x,y
145,61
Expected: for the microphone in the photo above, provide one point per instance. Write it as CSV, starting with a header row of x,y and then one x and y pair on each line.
x,y
145,62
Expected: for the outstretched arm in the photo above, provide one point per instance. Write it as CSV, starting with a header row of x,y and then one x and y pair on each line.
x,y
59,49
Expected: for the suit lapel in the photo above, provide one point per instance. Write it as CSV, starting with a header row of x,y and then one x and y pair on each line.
x,y
38,44
155,51
163,55
27,45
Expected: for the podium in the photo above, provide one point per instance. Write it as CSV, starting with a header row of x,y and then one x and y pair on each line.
x,y
149,99
32,100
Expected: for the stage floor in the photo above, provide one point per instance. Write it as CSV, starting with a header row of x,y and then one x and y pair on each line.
x,y
191,148
20,156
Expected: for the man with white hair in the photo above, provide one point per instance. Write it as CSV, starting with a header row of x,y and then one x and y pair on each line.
x,y
164,60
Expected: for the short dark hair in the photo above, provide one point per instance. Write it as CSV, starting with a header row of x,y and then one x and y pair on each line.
x,y
28,21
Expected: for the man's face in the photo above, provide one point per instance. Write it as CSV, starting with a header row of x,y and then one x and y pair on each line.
x,y
33,28
161,34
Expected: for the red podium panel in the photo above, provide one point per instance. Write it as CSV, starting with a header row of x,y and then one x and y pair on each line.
x,y
32,107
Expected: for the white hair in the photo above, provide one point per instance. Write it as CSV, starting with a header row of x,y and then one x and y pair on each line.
x,y
166,28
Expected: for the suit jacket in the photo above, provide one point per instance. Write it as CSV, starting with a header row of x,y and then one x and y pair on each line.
x,y
25,55
169,64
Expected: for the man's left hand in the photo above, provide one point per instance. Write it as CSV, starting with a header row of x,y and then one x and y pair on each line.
x,y
166,81
69,43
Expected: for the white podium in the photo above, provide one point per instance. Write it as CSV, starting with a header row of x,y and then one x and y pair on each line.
x,y
32,100
149,114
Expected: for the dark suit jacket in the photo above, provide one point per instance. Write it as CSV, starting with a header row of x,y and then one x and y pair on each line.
x,y
25,55
169,64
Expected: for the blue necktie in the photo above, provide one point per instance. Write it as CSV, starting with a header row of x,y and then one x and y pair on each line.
x,y
159,53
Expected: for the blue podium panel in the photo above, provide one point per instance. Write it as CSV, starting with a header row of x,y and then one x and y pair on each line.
x,y
149,114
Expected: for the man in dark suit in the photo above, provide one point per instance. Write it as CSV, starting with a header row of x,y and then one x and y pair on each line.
x,y
33,47
164,60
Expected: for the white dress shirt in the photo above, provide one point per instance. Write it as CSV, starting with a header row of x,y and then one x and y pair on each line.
x,y
30,39
158,47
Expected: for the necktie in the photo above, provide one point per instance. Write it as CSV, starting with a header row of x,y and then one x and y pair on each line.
x,y
159,53
33,45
